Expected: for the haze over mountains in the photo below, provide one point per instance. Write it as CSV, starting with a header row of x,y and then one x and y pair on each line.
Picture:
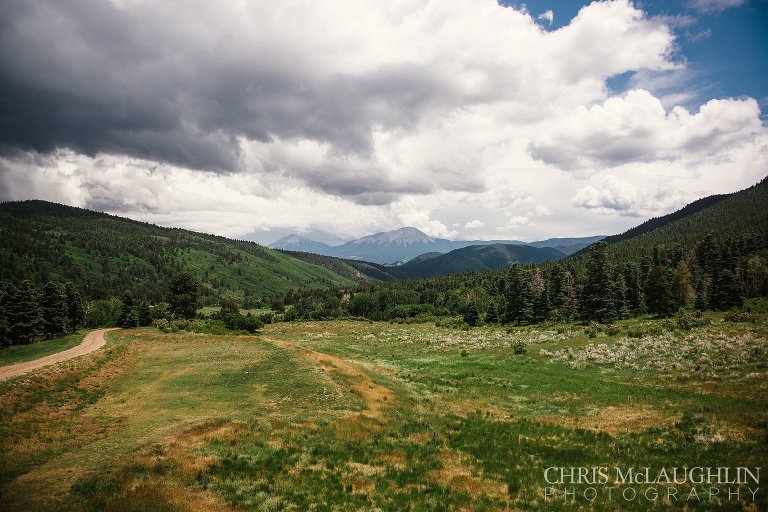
x,y
404,244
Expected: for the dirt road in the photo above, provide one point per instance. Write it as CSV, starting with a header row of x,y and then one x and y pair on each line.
x,y
93,341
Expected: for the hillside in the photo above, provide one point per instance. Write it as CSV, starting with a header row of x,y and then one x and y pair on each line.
x,y
106,255
479,257
408,243
730,215
352,269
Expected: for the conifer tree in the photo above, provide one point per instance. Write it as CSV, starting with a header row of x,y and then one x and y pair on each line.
x,y
658,292
75,306
24,316
5,327
53,306
570,303
184,295
539,297
518,295
597,297
681,285
701,303
619,291
492,313
634,296
128,317
471,314
727,291
143,313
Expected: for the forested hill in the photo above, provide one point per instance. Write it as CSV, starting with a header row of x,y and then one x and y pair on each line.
x,y
479,257
725,216
106,256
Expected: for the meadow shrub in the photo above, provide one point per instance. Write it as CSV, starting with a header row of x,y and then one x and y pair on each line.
x,y
740,316
519,346
685,321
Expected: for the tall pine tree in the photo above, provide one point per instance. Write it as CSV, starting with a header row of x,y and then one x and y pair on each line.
x,y
597,297
75,306
53,306
24,316
517,295
658,292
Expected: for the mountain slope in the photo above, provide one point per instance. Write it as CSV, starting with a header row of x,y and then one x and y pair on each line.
x,y
731,215
407,243
106,255
480,257
352,269
300,244
391,246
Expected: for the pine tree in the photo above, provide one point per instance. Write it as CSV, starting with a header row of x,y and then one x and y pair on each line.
x,y
471,314
539,297
619,292
24,316
658,292
518,295
75,306
53,306
143,313
597,296
727,292
681,285
6,293
492,314
635,297
128,317
570,303
702,302
184,295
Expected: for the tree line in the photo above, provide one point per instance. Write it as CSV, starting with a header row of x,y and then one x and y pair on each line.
x,y
716,274
28,313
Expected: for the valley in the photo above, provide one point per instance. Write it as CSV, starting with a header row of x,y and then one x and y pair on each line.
x,y
348,415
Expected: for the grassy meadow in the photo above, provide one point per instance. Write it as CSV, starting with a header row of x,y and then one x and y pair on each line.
x,y
351,415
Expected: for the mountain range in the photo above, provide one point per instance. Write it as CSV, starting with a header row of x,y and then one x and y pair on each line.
x,y
106,255
404,244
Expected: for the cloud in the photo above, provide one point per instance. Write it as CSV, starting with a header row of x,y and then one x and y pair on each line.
x,y
547,16
636,128
356,116
710,6
617,197
474,224
204,86
420,219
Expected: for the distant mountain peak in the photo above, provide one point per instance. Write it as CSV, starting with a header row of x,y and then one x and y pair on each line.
x,y
291,239
297,243
402,236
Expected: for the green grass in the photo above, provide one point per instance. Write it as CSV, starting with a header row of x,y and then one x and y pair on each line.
x,y
22,353
351,415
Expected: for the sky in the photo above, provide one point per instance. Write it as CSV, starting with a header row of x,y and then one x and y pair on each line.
x,y
467,119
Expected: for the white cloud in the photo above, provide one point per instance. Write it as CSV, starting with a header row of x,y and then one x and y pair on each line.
x,y
547,16
474,224
710,6
357,116
636,128
420,219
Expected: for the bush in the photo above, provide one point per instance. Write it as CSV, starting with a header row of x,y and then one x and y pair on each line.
x,y
740,316
685,321
519,347
594,329
238,322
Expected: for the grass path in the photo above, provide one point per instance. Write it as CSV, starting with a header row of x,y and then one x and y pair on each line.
x,y
374,395
93,341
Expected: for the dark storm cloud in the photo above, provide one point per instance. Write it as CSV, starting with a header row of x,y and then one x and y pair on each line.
x,y
92,77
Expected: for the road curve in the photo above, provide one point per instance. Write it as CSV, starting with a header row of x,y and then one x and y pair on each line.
x,y
94,340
